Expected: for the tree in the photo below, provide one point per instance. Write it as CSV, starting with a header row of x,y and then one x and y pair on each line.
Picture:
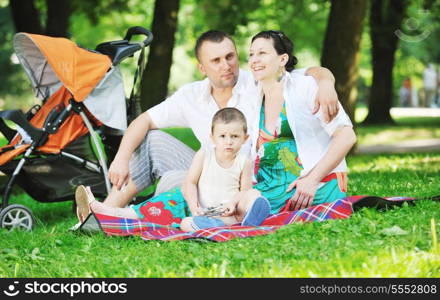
x,y
12,78
385,18
26,17
341,48
48,17
226,15
154,84
27,14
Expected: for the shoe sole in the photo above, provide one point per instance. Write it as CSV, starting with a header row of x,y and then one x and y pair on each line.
x,y
260,209
82,203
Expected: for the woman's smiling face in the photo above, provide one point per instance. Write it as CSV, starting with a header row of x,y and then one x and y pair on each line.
x,y
264,61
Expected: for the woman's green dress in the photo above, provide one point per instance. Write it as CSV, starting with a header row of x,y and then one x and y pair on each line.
x,y
277,165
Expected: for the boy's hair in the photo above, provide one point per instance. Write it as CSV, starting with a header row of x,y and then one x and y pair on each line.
x,y
215,36
228,115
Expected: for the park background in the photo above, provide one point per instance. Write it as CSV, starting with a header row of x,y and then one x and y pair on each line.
x,y
371,46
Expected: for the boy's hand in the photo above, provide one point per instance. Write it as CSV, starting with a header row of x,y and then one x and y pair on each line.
x,y
230,209
196,211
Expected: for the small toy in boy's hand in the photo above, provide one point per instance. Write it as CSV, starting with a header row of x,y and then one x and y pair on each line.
x,y
213,211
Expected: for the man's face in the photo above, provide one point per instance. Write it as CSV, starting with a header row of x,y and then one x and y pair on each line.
x,y
219,62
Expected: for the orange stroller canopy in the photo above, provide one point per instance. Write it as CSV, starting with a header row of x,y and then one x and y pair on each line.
x,y
59,70
48,60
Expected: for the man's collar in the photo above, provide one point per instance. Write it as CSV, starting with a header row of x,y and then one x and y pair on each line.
x,y
239,87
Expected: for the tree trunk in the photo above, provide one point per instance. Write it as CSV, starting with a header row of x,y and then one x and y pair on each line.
x,y
385,18
340,53
154,84
25,16
58,14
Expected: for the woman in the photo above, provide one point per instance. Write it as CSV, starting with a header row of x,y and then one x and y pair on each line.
x,y
299,159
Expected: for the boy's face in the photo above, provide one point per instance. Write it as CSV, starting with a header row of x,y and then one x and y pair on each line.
x,y
229,137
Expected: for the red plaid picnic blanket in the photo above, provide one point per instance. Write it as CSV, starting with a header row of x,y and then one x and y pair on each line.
x,y
339,209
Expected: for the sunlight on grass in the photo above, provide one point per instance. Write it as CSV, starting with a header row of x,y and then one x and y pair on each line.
x,y
360,114
406,129
411,175
397,262
396,135
396,163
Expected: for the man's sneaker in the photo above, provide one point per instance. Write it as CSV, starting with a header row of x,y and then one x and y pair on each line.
x,y
258,212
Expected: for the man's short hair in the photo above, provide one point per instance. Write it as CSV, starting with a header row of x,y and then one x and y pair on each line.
x,y
227,115
215,36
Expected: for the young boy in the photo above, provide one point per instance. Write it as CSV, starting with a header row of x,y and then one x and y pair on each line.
x,y
221,179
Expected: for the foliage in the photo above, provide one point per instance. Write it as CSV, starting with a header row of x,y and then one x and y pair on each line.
x,y
13,80
112,25
94,9
305,21
226,15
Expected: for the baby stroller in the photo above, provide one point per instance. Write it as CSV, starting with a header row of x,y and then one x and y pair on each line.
x,y
68,140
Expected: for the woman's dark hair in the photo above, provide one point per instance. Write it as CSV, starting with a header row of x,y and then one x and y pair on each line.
x,y
281,43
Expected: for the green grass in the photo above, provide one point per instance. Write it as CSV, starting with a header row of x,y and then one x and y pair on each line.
x,y
393,243
184,134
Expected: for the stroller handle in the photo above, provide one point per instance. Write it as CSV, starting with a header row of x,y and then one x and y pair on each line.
x,y
119,50
138,30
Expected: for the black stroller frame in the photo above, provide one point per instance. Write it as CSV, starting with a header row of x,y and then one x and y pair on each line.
x,y
13,216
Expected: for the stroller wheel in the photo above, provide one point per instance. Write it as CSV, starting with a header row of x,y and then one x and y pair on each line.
x,y
16,216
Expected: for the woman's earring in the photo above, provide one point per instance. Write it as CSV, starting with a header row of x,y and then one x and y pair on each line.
x,y
281,75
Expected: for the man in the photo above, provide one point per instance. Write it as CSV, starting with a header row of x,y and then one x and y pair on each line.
x,y
142,158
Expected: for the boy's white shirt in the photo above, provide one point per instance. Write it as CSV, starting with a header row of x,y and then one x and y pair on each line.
x,y
218,185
